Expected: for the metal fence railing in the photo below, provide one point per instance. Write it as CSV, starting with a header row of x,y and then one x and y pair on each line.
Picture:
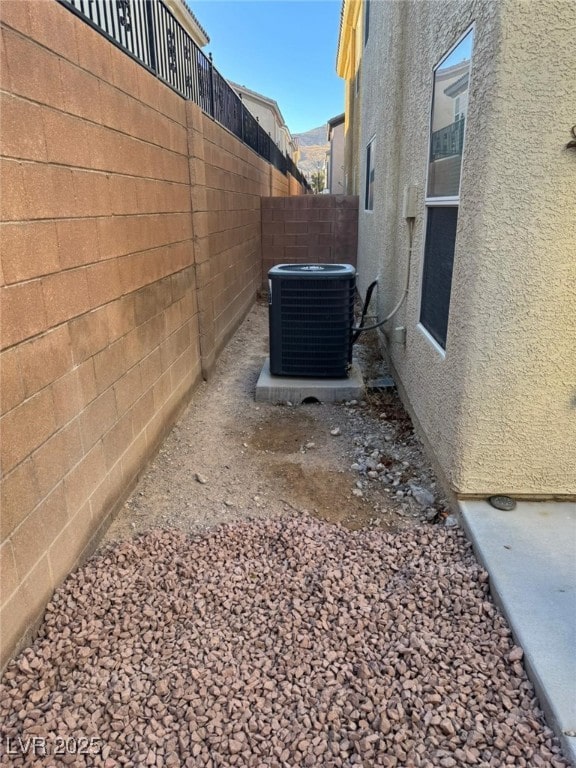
x,y
148,32
447,141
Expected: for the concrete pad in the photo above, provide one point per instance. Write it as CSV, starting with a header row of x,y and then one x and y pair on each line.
x,y
530,555
281,389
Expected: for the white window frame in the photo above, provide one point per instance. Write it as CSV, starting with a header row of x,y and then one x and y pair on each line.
x,y
444,202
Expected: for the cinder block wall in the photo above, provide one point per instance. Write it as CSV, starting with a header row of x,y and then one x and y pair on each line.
x,y
228,181
111,209
309,228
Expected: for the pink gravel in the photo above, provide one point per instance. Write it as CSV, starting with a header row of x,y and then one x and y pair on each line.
x,y
275,644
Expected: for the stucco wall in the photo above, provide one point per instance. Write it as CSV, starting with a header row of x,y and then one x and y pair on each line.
x,y
266,118
498,409
337,161
349,59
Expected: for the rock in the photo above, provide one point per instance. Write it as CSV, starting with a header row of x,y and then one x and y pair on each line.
x,y
422,496
516,654
357,492
200,478
310,445
235,746
348,644
335,431
447,727
451,521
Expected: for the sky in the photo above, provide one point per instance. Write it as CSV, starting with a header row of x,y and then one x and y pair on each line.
x,y
283,49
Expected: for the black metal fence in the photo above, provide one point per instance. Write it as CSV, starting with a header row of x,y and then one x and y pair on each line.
x,y
447,141
148,32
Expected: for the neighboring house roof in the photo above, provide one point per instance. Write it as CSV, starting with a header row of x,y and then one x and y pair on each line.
x,y
189,21
340,34
334,122
459,86
273,105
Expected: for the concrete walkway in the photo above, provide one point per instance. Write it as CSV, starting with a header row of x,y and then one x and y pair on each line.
x,y
530,554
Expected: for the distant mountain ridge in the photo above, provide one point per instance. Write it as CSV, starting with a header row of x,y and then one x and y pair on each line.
x,y
313,146
313,137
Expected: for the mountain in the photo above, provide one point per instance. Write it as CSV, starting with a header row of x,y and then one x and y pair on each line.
x,y
313,137
313,146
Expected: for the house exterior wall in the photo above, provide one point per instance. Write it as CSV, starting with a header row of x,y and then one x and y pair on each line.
x,y
263,113
350,50
130,250
498,409
186,18
336,173
266,111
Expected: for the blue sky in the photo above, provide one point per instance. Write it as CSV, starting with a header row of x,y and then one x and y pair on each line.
x,y
285,50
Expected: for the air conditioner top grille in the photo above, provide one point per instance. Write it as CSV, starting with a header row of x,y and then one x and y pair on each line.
x,y
318,271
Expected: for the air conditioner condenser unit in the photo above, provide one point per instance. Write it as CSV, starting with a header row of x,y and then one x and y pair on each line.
x,y
311,316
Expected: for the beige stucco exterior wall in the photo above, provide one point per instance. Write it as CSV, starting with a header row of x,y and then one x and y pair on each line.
x,y
337,161
262,113
498,410
267,117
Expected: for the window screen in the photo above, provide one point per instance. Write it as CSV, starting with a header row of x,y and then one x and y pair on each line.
x,y
437,277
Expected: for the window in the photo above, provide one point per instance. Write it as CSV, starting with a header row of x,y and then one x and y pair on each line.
x,y
369,198
366,20
449,108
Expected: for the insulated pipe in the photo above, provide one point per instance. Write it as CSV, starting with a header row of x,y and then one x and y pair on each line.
x,y
390,315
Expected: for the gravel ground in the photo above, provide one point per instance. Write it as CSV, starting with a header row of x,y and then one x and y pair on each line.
x,y
278,644
227,621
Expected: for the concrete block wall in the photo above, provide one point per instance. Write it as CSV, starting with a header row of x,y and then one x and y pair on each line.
x,y
228,181
309,228
128,218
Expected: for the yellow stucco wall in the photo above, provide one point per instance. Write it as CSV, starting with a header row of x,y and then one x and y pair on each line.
x,y
348,67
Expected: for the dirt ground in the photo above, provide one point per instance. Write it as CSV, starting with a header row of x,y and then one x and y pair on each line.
x,y
230,458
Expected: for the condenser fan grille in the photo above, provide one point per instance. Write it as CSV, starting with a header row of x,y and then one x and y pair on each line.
x,y
311,319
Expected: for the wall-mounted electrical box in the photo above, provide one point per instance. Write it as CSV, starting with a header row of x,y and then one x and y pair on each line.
x,y
410,201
